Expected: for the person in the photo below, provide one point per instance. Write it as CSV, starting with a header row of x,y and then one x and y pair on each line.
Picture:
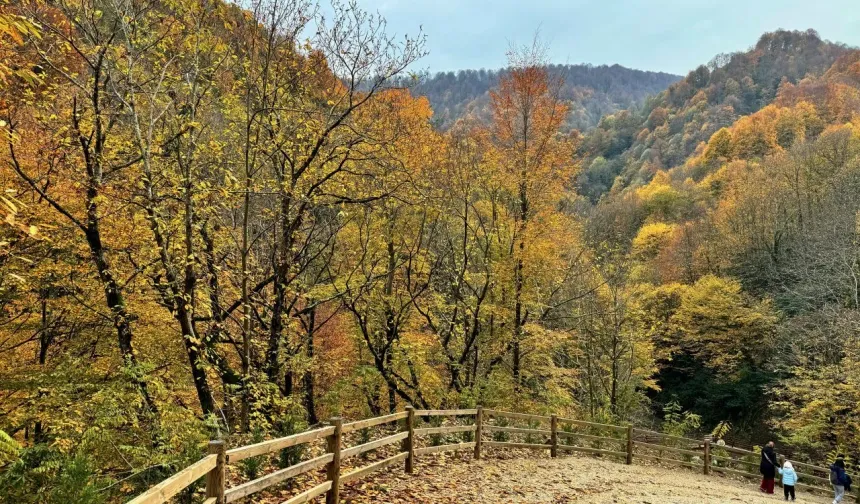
x,y
789,478
767,468
839,478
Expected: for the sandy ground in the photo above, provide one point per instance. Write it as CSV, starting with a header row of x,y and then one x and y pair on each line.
x,y
542,480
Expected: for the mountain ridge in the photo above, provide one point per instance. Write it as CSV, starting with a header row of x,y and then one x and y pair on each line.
x,y
592,90
630,146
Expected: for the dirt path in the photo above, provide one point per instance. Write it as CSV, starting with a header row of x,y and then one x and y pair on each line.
x,y
546,481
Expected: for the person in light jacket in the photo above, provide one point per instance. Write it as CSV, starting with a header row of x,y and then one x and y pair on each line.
x,y
789,479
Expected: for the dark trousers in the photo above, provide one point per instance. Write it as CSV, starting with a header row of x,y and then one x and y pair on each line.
x,y
788,490
767,485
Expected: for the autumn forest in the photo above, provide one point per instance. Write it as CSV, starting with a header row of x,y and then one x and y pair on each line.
x,y
237,221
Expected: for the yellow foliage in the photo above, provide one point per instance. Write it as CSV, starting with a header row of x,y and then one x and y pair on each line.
x,y
651,238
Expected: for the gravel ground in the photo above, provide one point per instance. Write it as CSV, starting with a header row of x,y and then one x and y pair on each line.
x,y
456,479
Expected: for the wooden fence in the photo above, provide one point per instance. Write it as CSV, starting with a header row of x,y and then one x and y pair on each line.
x,y
484,429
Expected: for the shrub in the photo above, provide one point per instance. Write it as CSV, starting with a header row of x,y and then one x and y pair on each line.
x,y
44,475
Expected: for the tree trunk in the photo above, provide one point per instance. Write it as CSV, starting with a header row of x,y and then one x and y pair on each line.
x,y
310,405
198,372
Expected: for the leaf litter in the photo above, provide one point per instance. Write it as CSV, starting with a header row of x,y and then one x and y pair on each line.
x,y
523,479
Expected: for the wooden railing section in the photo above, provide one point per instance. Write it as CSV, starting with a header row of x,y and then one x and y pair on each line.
x,y
486,429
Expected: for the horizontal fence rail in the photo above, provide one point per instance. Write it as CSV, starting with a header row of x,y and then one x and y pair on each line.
x,y
444,434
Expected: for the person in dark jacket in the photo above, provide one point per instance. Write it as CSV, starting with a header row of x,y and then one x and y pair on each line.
x,y
767,468
839,478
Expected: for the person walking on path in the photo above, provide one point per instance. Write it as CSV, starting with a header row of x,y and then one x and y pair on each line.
x,y
789,479
839,478
767,468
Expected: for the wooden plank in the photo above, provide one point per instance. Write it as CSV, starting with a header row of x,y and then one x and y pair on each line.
x,y
811,467
443,448
530,446
812,488
583,423
517,430
730,459
273,445
451,429
591,438
671,461
736,472
309,495
518,416
667,436
357,450
276,477
813,477
210,500
371,422
667,448
732,449
359,473
827,490
441,412
593,451
163,491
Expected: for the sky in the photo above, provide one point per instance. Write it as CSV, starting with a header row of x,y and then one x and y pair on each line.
x,y
661,35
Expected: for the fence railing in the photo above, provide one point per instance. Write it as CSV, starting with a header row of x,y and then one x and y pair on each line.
x,y
486,428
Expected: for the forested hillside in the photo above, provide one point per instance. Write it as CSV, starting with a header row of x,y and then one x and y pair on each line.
x,y
212,228
740,250
592,92
629,147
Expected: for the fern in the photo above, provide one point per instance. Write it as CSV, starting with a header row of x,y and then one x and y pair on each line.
x,y
721,430
9,449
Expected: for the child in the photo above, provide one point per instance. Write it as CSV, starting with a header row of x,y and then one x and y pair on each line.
x,y
789,478
839,479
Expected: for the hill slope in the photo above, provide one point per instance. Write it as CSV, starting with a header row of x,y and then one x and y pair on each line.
x,y
635,144
735,203
594,91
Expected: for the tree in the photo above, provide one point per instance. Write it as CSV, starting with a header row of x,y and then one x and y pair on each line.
x,y
84,132
616,355
536,158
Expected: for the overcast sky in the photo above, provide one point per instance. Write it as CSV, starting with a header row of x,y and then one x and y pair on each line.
x,y
662,35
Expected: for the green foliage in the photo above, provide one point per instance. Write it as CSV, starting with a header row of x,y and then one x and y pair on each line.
x,y
501,436
9,449
724,327
293,454
253,466
721,430
678,422
533,438
44,475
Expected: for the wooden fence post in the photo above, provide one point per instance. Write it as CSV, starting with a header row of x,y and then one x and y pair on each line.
x,y
553,436
216,478
781,461
707,456
333,443
479,431
409,442
629,444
